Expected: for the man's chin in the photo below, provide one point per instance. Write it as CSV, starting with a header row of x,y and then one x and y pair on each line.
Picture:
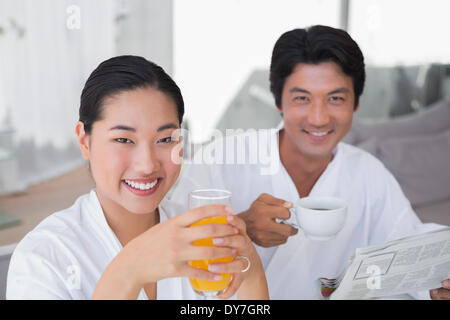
x,y
316,153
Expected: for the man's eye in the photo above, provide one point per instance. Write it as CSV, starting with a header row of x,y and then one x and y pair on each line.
x,y
301,98
336,98
123,140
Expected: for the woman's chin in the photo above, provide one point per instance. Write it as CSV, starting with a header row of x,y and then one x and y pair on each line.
x,y
142,210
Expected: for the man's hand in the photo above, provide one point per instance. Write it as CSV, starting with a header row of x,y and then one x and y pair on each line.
x,y
441,293
262,227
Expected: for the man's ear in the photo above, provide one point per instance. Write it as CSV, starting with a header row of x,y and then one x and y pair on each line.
x,y
279,110
83,140
356,108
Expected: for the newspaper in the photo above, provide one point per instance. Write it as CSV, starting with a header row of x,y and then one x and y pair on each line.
x,y
408,265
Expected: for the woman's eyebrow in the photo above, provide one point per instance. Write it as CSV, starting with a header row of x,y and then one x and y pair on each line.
x,y
168,126
162,128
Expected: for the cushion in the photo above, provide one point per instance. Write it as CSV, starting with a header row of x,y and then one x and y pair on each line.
x,y
434,119
420,163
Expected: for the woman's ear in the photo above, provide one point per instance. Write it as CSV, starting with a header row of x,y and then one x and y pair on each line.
x,y
83,140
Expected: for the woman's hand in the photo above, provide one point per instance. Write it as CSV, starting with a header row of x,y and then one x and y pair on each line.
x,y
251,284
164,250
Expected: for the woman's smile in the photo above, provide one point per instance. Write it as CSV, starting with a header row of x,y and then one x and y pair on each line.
x,y
142,187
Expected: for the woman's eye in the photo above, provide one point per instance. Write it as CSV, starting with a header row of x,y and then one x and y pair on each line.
x,y
123,140
166,140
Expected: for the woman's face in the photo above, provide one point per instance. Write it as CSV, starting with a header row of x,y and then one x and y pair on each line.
x,y
132,155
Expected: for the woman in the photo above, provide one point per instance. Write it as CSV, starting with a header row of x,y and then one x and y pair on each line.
x,y
118,241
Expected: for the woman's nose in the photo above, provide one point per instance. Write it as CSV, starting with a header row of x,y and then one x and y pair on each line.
x,y
146,161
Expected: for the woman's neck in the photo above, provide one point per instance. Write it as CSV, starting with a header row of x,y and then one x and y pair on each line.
x,y
125,224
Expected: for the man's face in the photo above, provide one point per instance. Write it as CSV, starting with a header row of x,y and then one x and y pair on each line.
x,y
317,104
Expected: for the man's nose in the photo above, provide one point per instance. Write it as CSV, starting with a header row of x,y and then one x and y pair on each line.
x,y
318,114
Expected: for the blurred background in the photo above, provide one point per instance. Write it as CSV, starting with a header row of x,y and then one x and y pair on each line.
x,y
218,51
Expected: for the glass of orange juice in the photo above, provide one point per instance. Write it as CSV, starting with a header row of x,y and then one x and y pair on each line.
x,y
198,198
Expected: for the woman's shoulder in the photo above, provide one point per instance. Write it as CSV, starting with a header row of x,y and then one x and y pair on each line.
x,y
61,225
41,261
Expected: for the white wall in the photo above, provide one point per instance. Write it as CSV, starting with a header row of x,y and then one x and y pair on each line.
x,y
218,43
401,32
48,49
144,28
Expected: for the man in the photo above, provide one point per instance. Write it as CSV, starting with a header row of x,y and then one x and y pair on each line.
x,y
317,77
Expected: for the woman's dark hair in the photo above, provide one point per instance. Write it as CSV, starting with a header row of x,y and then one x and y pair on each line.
x,y
315,45
121,74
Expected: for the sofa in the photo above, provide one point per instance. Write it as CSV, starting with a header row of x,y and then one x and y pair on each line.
x,y
415,148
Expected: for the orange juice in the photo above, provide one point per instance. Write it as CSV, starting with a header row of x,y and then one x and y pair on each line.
x,y
206,286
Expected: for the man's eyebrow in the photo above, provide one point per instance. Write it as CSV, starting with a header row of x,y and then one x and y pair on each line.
x,y
296,89
340,90
168,126
123,127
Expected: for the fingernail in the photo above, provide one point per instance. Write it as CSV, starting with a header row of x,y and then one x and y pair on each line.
x,y
218,240
287,204
218,277
230,218
435,292
229,209
213,268
446,284
233,251
236,230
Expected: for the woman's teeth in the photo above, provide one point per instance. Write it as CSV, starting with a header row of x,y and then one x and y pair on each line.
x,y
141,186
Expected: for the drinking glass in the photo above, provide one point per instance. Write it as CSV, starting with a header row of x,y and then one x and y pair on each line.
x,y
198,198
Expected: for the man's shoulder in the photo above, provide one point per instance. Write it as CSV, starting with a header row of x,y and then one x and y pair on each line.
x,y
354,155
361,164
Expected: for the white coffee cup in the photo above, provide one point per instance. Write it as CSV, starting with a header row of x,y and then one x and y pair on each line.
x,y
321,218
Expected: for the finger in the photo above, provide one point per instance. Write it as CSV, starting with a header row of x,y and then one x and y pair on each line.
x,y
275,212
440,294
271,200
271,242
237,222
236,266
198,273
206,253
267,239
208,231
283,229
446,284
196,214
232,287
237,241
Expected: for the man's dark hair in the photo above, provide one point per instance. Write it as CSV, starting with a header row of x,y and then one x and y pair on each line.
x,y
119,74
315,45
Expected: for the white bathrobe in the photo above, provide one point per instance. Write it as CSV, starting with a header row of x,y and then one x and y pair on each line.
x,y
66,254
378,210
